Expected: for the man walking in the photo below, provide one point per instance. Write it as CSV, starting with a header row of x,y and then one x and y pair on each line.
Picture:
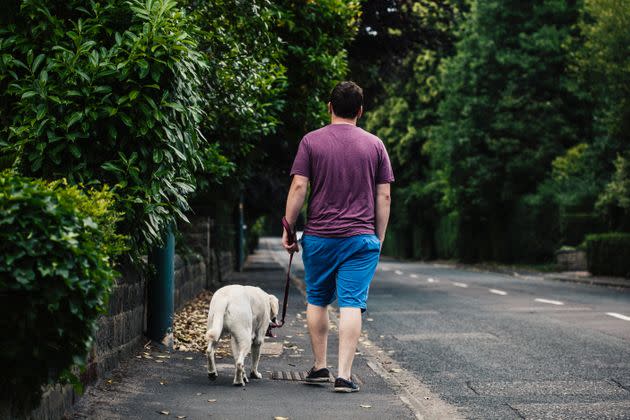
x,y
349,172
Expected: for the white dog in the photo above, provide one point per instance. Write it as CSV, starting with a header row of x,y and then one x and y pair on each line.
x,y
245,312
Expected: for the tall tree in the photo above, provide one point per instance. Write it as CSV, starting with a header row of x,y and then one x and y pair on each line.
x,y
406,111
508,110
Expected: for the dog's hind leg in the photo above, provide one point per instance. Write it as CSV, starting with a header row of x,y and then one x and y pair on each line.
x,y
256,344
241,345
212,368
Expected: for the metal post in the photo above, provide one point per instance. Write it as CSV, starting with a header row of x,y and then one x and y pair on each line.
x,y
161,292
241,235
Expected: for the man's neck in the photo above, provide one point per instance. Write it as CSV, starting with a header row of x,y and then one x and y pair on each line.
x,y
337,120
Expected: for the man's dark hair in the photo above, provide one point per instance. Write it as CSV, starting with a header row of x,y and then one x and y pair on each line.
x,y
346,99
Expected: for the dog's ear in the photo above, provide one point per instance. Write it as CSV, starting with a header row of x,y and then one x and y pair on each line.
x,y
274,305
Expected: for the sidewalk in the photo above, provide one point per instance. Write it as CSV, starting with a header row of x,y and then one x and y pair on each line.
x,y
175,385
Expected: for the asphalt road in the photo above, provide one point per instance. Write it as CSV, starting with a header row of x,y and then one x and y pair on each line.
x,y
503,347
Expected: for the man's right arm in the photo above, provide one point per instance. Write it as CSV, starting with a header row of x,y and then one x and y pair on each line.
x,y
383,201
295,200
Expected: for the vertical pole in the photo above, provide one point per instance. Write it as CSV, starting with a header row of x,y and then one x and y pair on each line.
x,y
241,234
161,292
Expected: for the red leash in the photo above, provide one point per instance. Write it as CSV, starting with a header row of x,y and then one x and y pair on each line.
x,y
292,239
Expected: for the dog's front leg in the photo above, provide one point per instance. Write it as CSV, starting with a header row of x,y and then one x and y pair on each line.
x,y
212,368
256,344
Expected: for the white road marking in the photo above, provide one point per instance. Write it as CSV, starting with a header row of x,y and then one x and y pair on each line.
x,y
432,280
400,273
616,315
498,292
551,302
413,276
460,284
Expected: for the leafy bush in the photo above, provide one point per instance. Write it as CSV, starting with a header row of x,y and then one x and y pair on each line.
x,y
106,92
55,277
607,254
614,202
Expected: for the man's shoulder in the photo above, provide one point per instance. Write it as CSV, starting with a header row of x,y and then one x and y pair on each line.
x,y
316,133
356,131
372,137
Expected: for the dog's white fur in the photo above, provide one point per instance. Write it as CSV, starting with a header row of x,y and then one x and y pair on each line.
x,y
245,312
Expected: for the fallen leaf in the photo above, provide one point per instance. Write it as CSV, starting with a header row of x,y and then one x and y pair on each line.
x,y
366,406
181,417
395,370
162,382
159,361
109,381
166,413
280,418
188,358
212,400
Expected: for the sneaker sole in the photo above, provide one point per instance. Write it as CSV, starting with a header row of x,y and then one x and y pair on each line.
x,y
346,390
316,380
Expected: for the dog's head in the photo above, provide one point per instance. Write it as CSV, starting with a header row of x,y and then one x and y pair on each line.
x,y
274,307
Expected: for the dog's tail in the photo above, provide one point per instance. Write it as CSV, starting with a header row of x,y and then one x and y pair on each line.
x,y
215,319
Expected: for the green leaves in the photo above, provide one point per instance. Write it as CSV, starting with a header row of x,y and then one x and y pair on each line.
x,y
55,276
109,77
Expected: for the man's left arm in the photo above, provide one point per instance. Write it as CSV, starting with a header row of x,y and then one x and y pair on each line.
x,y
295,201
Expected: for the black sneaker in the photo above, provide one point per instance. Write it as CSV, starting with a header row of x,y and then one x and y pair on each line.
x,y
342,385
315,376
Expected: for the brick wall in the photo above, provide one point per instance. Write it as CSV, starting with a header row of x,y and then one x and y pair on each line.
x,y
120,332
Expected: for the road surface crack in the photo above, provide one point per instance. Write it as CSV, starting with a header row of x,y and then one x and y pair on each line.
x,y
520,416
471,388
620,385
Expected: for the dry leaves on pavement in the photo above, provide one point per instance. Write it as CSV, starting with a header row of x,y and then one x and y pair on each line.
x,y
190,327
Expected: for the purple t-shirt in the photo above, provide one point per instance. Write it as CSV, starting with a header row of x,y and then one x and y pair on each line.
x,y
343,163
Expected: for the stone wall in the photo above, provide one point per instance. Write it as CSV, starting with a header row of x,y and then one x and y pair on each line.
x,y
198,236
571,260
190,278
120,332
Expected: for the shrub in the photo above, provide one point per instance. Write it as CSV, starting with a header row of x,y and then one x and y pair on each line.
x,y
607,254
106,91
55,277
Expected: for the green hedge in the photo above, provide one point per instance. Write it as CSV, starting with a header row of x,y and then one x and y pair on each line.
x,y
607,254
106,92
55,277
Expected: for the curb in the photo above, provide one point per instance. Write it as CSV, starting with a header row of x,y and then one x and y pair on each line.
x,y
618,283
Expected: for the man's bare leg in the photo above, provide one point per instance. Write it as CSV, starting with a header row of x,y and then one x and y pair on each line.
x,y
317,321
349,332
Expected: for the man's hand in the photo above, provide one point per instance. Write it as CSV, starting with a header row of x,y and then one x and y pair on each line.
x,y
294,247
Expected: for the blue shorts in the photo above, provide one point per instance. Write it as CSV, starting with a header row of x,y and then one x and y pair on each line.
x,y
341,267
